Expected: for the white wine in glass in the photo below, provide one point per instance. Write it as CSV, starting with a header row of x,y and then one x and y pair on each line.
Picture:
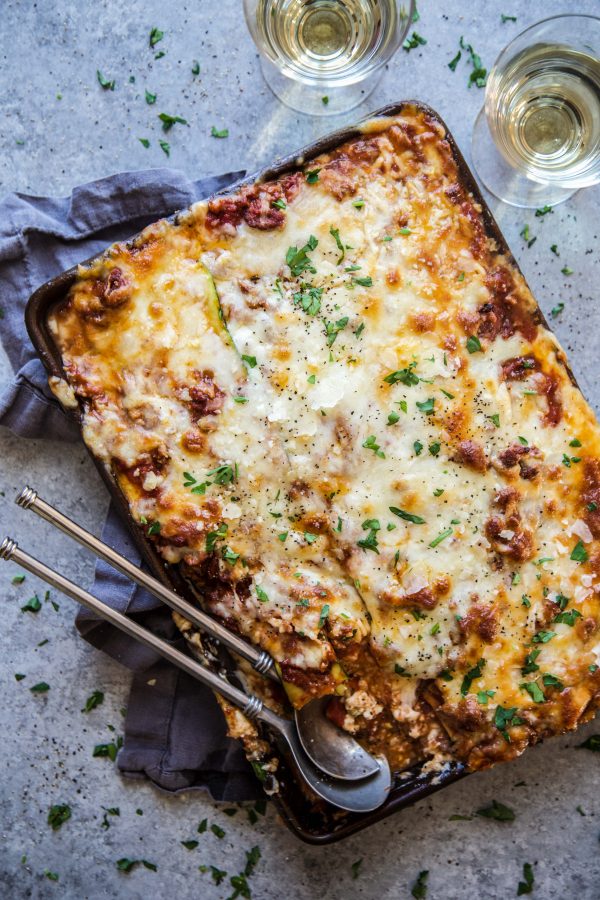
x,y
325,56
537,140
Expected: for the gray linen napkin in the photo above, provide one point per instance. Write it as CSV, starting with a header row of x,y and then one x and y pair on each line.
x,y
174,731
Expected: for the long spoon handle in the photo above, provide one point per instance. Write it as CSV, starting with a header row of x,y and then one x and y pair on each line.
x,y
260,659
251,706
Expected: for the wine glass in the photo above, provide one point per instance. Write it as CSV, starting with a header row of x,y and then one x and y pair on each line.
x,y
537,139
324,57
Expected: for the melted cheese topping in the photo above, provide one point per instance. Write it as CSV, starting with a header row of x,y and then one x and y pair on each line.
x,y
340,414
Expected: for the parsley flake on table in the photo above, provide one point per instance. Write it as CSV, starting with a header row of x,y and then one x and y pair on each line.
x,y
195,67
414,41
168,121
223,133
105,83
556,310
355,867
543,211
41,687
150,98
419,888
18,579
156,35
33,605
498,811
58,814
144,142
504,18
566,270
165,147
526,886
590,743
94,700
455,61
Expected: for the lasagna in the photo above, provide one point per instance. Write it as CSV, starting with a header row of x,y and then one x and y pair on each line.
x,y
332,404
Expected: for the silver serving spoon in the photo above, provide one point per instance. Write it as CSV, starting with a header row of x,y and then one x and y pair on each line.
x,y
355,796
331,749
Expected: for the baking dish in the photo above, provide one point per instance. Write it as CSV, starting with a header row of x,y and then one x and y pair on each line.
x,y
310,824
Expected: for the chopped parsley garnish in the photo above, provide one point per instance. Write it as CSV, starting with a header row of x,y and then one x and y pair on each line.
x,y
414,41
526,235
526,886
407,376
419,888
332,329
312,379
367,281
168,121
18,579
556,310
104,83
192,482
240,399
404,231
407,516
579,553
441,537
569,617
150,98
202,826
447,394
534,691
261,594
94,700
474,344
552,681
393,417
400,670
40,688
358,204
418,448
370,542
309,300
504,19
523,440
58,815
109,750
229,556
156,35
484,697
438,492
213,536
249,360
530,664
495,418
217,831
165,147
312,176
279,203
542,637
223,474
566,270
470,676
190,845
324,615
371,444
223,133
544,210
298,260
575,443
310,538
506,718
335,234
427,406
498,811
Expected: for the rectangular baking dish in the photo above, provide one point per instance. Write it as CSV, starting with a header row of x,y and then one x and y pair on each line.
x,y
315,824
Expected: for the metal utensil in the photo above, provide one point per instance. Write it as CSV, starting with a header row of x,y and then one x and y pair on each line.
x,y
355,796
331,749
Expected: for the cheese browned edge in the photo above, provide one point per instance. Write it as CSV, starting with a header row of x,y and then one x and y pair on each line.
x,y
331,401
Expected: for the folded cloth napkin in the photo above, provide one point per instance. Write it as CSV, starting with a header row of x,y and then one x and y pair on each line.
x,y
174,732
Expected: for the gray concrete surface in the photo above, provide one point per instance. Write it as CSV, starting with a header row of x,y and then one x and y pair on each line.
x,y
59,128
